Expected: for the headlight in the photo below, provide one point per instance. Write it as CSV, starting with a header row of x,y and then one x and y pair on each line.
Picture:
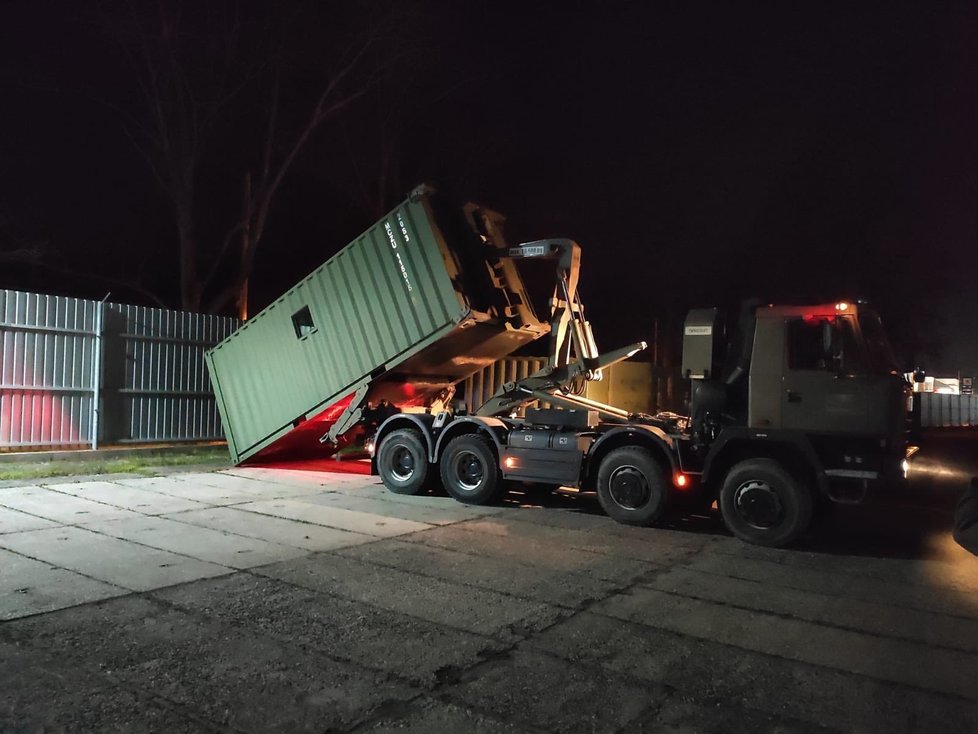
x,y
905,465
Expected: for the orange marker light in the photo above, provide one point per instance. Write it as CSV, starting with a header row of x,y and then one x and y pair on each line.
x,y
509,462
681,480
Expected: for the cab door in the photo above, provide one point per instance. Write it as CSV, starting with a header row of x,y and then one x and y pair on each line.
x,y
824,384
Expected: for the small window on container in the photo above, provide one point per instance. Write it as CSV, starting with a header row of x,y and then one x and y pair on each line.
x,y
302,322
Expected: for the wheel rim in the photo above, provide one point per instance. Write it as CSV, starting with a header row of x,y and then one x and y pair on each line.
x,y
758,504
401,464
629,488
469,470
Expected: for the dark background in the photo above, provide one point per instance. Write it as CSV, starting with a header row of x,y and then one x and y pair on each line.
x,y
699,152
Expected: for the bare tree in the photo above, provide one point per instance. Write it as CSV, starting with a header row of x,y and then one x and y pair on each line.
x,y
261,186
188,80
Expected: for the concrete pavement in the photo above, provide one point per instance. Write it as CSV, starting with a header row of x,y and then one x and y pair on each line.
x,y
277,600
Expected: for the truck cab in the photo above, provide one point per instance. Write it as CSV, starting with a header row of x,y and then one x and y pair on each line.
x,y
811,391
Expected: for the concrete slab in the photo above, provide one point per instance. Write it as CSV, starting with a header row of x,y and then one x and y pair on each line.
x,y
527,579
433,500
336,517
108,559
37,693
430,716
28,586
487,538
709,674
897,661
926,573
445,513
300,478
246,681
139,500
833,583
932,629
173,487
205,544
461,607
411,648
273,529
14,521
60,507
541,691
262,489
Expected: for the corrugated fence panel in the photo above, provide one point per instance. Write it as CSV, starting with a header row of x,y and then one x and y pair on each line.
x,y
938,410
154,382
165,393
46,376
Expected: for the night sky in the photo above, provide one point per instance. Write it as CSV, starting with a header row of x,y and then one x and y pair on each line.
x,y
700,152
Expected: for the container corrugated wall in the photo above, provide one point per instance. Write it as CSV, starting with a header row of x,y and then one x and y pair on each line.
x,y
382,298
148,366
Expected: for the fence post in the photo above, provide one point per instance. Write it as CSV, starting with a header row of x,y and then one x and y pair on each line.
x,y
97,370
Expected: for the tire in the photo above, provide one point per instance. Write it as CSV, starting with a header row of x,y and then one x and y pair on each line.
x,y
762,503
470,470
632,486
402,462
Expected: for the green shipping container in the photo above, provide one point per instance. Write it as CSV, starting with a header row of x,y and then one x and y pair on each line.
x,y
418,302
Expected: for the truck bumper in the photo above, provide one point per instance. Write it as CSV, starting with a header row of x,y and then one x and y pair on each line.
x,y
855,486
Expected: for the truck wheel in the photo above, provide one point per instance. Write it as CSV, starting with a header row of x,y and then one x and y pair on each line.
x,y
469,470
402,462
762,503
631,486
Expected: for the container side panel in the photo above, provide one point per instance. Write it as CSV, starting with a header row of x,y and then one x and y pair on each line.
x,y
375,303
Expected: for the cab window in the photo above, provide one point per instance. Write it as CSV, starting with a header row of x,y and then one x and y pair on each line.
x,y
824,344
807,347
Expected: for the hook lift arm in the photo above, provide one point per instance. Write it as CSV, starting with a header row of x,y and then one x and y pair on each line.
x,y
573,352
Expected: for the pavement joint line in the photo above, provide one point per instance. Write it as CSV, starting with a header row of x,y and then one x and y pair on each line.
x,y
791,661
821,623
844,570
905,606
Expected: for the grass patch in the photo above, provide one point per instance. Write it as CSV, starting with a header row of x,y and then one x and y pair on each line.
x,y
148,464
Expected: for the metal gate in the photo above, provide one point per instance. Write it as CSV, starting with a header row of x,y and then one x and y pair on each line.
x,y
76,373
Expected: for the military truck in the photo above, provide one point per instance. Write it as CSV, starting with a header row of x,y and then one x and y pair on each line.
x,y
791,406
799,403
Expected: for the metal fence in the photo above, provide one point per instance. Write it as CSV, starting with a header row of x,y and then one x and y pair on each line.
x,y
946,411
76,373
